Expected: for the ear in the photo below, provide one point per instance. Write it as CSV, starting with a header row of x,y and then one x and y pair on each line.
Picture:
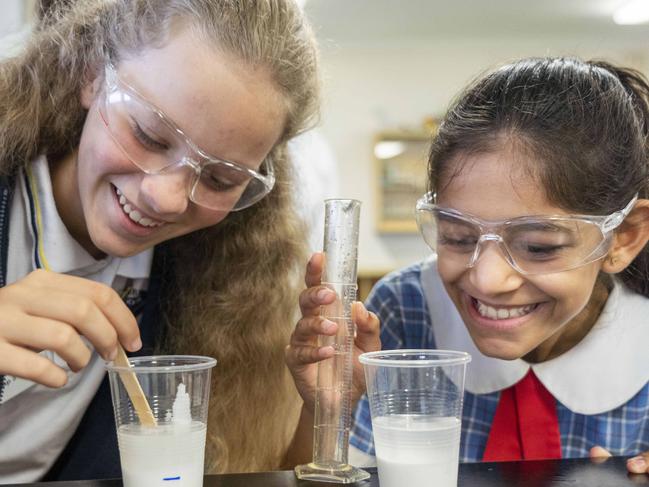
x,y
629,239
90,90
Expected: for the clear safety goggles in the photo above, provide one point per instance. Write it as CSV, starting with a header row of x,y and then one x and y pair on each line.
x,y
530,244
154,144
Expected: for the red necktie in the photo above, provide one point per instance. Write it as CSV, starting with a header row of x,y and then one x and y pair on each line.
x,y
525,426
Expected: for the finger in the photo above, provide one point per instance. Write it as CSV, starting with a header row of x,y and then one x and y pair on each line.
x,y
598,455
598,452
46,334
307,330
314,269
638,464
312,298
82,314
299,356
29,365
367,328
108,302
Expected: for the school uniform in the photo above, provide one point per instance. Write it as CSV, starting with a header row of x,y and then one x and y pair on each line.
x,y
66,433
598,390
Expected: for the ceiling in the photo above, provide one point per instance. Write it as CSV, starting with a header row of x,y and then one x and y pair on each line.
x,y
389,20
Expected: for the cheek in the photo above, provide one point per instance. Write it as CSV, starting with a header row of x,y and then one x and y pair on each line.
x,y
571,291
449,274
97,150
204,218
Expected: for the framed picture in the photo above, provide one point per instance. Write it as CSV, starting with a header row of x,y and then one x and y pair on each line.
x,y
401,162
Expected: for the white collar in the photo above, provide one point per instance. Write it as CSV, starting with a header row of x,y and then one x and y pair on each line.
x,y
602,372
60,250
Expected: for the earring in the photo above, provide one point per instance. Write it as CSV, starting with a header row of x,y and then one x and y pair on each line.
x,y
612,260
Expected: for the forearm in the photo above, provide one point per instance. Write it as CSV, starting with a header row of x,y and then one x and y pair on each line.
x,y
301,448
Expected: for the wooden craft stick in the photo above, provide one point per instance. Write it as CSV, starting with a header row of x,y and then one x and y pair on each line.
x,y
134,390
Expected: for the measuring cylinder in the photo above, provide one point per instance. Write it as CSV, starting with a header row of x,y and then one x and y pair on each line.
x,y
333,403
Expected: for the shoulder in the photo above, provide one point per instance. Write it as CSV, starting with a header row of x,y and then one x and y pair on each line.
x,y
399,301
401,287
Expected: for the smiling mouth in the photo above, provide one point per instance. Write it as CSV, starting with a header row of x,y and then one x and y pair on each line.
x,y
134,214
502,313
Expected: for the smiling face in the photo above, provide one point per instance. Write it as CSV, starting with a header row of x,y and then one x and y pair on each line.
x,y
510,315
230,110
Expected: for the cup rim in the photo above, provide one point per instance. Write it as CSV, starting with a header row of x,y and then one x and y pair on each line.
x,y
196,362
421,358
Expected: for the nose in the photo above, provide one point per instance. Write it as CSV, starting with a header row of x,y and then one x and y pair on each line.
x,y
491,273
167,193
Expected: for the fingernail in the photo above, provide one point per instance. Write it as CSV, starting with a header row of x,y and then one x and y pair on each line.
x,y
327,351
323,293
638,462
111,355
328,325
135,345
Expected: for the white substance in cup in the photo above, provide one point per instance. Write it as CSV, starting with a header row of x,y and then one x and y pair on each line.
x,y
416,450
170,454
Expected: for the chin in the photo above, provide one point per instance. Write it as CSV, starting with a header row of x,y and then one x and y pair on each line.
x,y
114,249
499,349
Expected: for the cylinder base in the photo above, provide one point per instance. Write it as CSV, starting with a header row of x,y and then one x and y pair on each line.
x,y
339,473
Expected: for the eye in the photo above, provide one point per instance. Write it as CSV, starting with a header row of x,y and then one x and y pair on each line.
x,y
218,177
539,251
457,243
146,140
216,183
455,234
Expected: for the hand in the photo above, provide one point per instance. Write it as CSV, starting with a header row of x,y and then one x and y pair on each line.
x,y
50,311
637,464
303,353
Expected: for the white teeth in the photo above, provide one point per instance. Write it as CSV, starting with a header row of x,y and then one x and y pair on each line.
x,y
503,313
134,214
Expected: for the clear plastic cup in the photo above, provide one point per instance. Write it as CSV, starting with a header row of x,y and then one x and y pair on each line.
x,y
416,408
172,451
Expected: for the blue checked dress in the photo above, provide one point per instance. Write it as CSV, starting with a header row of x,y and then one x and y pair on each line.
x,y
402,301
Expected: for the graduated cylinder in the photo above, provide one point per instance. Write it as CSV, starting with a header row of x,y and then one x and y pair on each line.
x,y
333,393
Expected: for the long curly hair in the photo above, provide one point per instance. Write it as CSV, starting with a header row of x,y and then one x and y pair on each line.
x,y
234,287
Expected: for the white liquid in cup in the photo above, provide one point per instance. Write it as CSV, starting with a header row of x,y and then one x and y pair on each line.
x,y
168,455
417,450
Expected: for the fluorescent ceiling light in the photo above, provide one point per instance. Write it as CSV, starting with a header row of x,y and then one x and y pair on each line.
x,y
632,12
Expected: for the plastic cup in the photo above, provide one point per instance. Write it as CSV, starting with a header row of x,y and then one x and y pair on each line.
x,y
172,452
415,401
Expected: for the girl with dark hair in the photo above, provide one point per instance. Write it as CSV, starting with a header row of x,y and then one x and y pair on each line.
x,y
537,212
144,174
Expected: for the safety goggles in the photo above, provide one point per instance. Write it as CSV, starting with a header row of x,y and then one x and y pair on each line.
x,y
530,244
154,144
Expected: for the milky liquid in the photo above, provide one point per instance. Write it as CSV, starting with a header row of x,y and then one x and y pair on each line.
x,y
168,455
417,450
